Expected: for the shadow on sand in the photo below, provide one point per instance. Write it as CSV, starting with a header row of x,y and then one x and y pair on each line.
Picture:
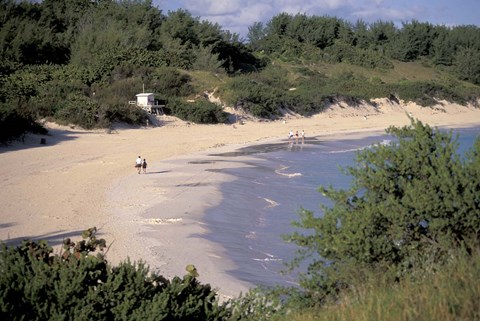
x,y
57,135
53,239
158,172
53,137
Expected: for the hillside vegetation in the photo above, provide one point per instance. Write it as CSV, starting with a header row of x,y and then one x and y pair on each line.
x,y
67,61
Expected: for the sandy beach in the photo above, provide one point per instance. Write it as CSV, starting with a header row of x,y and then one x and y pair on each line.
x,y
80,179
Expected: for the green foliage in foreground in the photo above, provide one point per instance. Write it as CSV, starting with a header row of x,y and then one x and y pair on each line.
x,y
411,204
450,294
79,285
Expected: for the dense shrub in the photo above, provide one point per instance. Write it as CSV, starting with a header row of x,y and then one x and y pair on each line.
x,y
426,93
79,284
201,111
121,112
170,82
14,125
257,98
80,110
343,52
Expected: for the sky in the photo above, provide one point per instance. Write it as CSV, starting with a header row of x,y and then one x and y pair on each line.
x,y
237,15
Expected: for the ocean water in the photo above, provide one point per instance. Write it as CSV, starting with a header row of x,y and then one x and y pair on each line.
x,y
265,197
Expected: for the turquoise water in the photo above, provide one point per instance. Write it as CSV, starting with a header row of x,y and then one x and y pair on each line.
x,y
263,200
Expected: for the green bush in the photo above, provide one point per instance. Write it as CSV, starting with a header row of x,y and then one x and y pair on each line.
x,y
257,98
15,125
79,284
121,113
410,205
80,110
451,293
344,52
169,82
200,111
426,93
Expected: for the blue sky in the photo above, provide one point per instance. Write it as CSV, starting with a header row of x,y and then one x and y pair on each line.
x,y
238,15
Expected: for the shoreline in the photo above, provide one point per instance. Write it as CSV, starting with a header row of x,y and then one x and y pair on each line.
x,y
81,179
192,184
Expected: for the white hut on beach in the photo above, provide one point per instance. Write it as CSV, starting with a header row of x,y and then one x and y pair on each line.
x,y
147,102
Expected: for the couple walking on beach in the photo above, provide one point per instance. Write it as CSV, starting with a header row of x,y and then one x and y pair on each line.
x,y
141,165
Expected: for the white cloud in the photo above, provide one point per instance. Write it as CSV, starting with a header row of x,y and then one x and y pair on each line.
x,y
221,7
385,14
239,21
209,7
238,15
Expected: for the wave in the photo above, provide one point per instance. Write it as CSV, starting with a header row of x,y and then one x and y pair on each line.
x,y
267,259
271,203
384,142
251,236
289,175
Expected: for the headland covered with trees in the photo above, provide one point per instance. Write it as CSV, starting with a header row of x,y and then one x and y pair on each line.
x,y
80,62
402,243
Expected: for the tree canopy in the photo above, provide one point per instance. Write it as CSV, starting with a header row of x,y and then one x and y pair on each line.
x,y
57,54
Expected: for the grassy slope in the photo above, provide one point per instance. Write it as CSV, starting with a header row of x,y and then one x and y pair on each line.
x,y
413,71
450,294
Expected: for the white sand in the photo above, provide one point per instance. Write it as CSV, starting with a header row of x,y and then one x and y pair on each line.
x,y
81,179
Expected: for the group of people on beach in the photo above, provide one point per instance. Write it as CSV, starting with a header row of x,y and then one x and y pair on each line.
x,y
291,137
141,165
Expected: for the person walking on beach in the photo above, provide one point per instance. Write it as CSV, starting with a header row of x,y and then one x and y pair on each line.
x,y
144,166
296,137
138,164
290,135
303,136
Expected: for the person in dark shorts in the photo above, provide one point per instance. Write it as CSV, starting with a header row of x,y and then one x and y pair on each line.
x,y
138,164
144,166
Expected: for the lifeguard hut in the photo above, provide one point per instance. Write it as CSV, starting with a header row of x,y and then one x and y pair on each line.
x,y
147,102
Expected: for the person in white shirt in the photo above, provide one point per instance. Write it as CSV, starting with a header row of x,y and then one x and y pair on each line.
x,y
138,164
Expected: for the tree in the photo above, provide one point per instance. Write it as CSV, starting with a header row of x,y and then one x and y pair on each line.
x,y
414,41
411,202
98,32
180,26
256,33
323,31
362,35
278,25
467,64
382,34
